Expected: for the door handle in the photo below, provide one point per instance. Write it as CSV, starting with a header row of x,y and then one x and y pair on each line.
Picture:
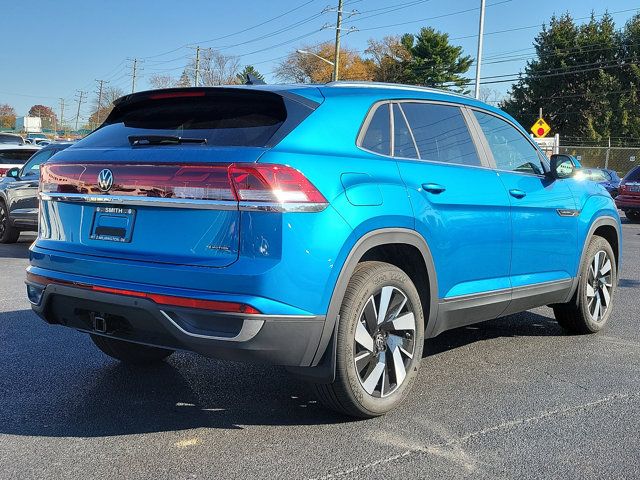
x,y
514,192
433,188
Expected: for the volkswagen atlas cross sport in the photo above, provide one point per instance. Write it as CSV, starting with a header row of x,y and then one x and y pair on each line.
x,y
326,228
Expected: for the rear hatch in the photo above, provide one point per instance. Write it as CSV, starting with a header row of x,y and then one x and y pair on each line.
x,y
152,183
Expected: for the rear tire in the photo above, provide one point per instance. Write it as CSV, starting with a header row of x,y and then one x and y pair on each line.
x,y
591,305
633,215
378,354
8,233
129,352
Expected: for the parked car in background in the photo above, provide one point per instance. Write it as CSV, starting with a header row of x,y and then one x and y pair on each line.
x,y
607,178
11,139
326,228
34,137
19,195
15,155
628,199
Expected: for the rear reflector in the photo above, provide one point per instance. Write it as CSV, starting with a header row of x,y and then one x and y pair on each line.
x,y
169,300
243,182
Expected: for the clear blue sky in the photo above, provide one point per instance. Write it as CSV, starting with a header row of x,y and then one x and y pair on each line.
x,y
53,48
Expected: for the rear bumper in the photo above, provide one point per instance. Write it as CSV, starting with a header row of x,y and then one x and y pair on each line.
x,y
628,202
289,340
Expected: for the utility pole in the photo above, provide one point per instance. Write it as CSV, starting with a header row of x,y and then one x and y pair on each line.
x,y
336,62
479,57
197,66
81,95
62,114
100,89
134,72
606,158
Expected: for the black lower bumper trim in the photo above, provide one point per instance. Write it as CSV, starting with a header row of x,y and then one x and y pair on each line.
x,y
280,340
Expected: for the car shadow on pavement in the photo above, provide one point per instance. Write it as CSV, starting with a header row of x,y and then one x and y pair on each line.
x,y
20,249
525,324
55,383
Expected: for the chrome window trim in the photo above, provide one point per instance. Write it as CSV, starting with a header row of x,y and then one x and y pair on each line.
x,y
126,200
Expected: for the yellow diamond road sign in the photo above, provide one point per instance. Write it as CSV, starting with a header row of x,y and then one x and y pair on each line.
x,y
540,128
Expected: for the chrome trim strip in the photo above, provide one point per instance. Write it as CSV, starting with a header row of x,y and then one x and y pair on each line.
x,y
127,200
568,212
282,207
250,328
500,291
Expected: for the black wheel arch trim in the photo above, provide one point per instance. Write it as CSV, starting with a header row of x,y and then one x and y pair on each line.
x,y
322,369
604,220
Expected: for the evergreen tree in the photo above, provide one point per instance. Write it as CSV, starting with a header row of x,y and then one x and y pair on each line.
x,y
434,62
249,70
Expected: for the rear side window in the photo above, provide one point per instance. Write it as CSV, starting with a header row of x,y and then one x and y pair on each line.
x,y
633,175
224,117
403,143
441,133
377,138
15,156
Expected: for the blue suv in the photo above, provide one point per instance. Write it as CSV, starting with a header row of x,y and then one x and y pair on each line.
x,y
326,228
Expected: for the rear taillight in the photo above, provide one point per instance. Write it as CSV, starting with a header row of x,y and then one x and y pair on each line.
x,y
246,183
195,182
273,184
622,188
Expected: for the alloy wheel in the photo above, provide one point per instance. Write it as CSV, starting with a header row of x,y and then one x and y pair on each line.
x,y
599,285
384,341
3,220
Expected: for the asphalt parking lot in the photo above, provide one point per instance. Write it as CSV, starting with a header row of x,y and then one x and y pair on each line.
x,y
509,398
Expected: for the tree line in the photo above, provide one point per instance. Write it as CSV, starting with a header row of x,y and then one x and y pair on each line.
x,y
585,77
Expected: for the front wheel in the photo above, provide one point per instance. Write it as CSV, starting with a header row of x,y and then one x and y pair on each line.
x,y
379,342
8,233
590,308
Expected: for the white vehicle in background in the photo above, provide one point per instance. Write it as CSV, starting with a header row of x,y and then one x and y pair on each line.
x,y
15,155
11,139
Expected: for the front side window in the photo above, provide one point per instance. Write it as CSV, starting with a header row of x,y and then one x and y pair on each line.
x,y
441,133
511,150
377,138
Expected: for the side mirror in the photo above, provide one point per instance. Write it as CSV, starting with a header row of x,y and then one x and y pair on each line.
x,y
13,172
562,166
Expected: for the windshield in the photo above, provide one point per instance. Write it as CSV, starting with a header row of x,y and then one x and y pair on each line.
x,y
14,139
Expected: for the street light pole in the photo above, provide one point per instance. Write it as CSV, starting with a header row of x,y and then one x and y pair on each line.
x,y
479,56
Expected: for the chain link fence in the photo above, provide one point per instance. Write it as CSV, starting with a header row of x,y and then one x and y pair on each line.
x,y
620,159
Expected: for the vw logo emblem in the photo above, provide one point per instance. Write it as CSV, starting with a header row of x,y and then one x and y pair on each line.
x,y
105,180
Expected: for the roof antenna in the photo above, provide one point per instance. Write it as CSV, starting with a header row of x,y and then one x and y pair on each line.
x,y
253,80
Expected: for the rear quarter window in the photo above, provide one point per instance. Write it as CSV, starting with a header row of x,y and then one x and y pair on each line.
x,y
377,136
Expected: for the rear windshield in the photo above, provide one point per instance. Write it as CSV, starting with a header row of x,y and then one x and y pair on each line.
x,y
15,156
4,138
633,175
239,118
